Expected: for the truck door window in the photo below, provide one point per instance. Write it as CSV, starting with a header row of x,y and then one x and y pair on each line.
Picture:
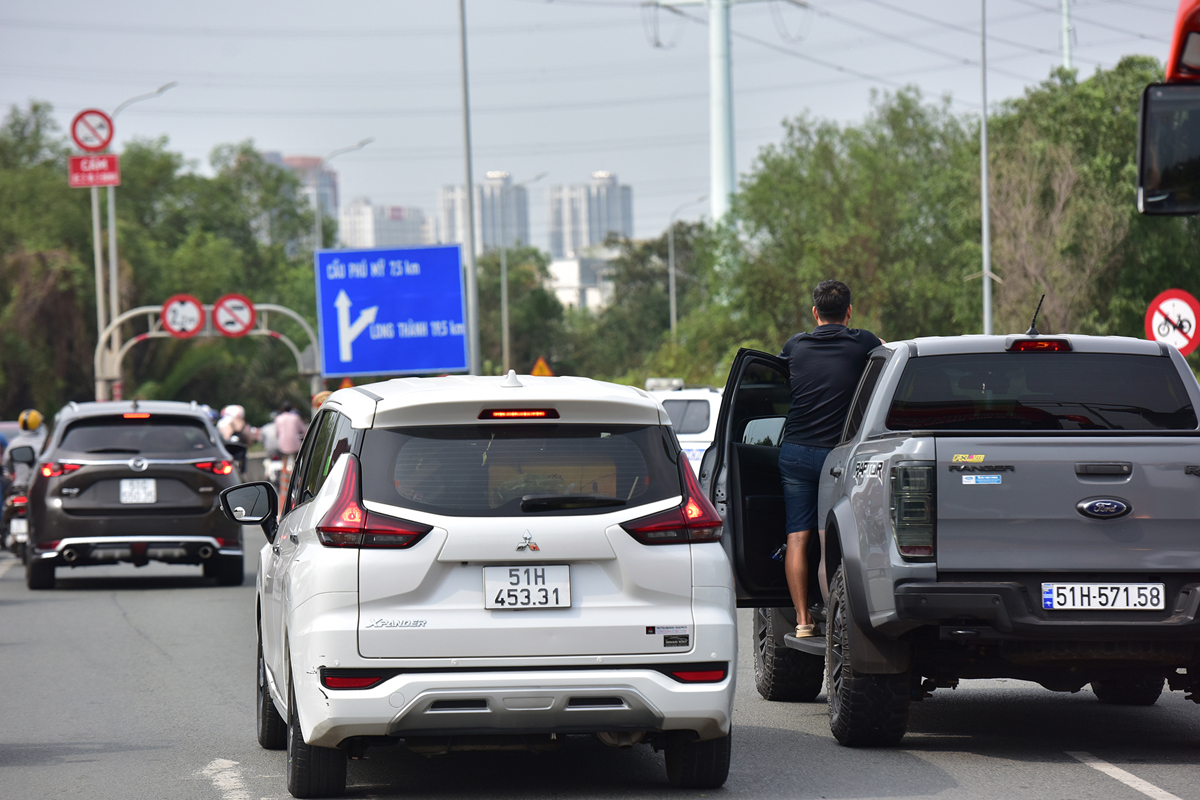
x,y
866,388
763,392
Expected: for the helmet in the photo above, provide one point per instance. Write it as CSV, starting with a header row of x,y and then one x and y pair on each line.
x,y
30,419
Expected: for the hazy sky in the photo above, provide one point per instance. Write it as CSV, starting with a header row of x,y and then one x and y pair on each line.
x,y
564,86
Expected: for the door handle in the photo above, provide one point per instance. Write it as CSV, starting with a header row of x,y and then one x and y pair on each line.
x,y
836,471
275,549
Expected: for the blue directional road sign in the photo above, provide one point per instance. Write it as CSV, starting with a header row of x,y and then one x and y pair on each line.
x,y
391,312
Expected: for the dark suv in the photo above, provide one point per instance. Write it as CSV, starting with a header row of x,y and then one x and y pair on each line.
x,y
133,482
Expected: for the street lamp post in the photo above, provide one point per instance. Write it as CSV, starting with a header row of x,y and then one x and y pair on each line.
x,y
504,340
318,234
671,255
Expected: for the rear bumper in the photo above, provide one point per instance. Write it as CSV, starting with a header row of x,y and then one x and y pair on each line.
x,y
972,611
517,702
82,551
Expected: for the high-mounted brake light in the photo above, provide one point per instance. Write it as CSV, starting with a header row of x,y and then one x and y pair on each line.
x,y
350,682
215,467
694,521
54,469
699,675
138,415
348,524
1040,346
518,413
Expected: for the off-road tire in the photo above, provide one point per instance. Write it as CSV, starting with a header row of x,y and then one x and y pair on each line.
x,y
781,673
693,764
272,728
228,570
39,575
864,710
311,771
1142,691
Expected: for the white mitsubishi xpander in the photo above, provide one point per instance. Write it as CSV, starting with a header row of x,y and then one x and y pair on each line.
x,y
474,562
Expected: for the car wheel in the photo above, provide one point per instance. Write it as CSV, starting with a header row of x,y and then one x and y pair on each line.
x,y
1140,691
694,764
311,771
228,570
864,710
272,729
781,673
39,575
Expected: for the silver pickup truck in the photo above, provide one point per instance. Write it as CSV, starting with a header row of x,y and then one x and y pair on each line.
x,y
999,506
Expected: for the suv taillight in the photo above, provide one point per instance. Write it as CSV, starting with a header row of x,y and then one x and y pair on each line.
x,y
54,469
348,524
694,521
914,512
215,467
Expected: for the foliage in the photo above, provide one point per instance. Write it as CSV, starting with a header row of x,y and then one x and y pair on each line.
x,y
535,315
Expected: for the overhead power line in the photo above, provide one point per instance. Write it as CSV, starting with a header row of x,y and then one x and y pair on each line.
x,y
1075,16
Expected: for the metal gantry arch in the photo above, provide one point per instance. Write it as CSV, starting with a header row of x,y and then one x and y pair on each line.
x,y
107,364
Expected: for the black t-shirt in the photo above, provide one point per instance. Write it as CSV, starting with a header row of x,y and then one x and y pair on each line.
x,y
825,366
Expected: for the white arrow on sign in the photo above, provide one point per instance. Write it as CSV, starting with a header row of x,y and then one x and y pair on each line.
x,y
347,333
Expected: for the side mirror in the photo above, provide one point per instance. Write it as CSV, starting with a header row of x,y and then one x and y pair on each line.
x,y
236,449
23,455
1168,174
252,504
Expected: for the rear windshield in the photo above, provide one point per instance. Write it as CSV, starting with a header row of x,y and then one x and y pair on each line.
x,y
1041,391
688,416
494,470
159,435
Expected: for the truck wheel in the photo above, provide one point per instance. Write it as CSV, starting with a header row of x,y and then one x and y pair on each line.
x,y
781,673
694,764
228,570
311,771
272,730
864,710
39,575
1141,691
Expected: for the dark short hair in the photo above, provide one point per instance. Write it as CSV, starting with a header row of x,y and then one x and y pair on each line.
x,y
832,300
286,407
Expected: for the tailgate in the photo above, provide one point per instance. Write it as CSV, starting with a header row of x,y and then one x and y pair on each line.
x,y
1014,503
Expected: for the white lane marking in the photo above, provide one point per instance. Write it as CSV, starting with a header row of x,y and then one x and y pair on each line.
x,y
226,778
1127,778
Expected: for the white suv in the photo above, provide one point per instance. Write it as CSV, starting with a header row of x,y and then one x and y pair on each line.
x,y
470,562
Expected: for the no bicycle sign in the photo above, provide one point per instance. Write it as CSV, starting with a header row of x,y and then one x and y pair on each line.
x,y
1171,319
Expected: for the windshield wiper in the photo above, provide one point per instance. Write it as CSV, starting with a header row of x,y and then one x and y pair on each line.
x,y
559,502
113,450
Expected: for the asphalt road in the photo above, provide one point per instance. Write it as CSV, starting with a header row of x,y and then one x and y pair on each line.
x,y
132,683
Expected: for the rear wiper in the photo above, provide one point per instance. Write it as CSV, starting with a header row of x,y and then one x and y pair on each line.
x,y
113,450
559,502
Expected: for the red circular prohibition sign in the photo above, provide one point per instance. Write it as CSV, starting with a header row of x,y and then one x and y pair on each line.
x,y
234,315
1172,318
182,315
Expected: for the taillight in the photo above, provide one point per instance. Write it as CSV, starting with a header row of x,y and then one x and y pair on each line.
x,y
221,542
518,413
914,517
348,524
699,675
55,469
18,500
1040,346
694,521
50,545
350,681
136,415
215,467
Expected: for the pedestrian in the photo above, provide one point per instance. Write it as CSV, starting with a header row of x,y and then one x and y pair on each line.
x,y
825,365
289,435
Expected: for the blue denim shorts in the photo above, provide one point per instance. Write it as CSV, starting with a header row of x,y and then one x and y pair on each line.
x,y
800,470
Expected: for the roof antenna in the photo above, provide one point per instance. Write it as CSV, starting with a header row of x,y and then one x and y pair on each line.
x,y
1033,331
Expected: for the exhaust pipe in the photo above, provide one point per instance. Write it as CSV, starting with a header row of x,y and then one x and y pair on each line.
x,y
70,555
205,551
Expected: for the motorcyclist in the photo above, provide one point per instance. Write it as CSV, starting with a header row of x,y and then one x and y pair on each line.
x,y
233,428
33,434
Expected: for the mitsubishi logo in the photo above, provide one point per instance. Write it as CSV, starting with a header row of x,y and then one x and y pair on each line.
x,y
138,464
528,544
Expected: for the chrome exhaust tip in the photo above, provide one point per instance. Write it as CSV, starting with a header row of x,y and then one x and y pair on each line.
x,y
70,555
206,552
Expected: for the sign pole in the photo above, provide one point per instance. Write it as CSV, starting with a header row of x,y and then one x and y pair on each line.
x,y
98,251
472,285
114,297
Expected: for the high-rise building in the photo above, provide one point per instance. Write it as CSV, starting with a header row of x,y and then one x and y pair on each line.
x,y
363,224
317,179
585,215
501,213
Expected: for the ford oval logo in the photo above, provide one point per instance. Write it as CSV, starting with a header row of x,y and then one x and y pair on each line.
x,y
1103,508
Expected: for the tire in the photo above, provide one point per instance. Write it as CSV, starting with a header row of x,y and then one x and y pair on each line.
x,y
272,729
228,570
864,710
693,764
1141,691
781,673
39,575
311,771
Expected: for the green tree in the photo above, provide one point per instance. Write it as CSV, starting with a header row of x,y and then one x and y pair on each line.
x,y
535,317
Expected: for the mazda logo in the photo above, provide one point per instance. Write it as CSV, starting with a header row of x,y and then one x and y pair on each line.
x,y
138,464
1103,508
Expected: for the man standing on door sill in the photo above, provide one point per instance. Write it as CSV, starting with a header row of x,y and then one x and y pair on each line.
x,y
825,367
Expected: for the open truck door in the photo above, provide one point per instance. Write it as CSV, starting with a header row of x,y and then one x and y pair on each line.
x,y
1168,174
740,474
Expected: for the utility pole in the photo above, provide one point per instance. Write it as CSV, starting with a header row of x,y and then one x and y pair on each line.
x,y
671,256
318,231
476,364
983,173
1067,30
